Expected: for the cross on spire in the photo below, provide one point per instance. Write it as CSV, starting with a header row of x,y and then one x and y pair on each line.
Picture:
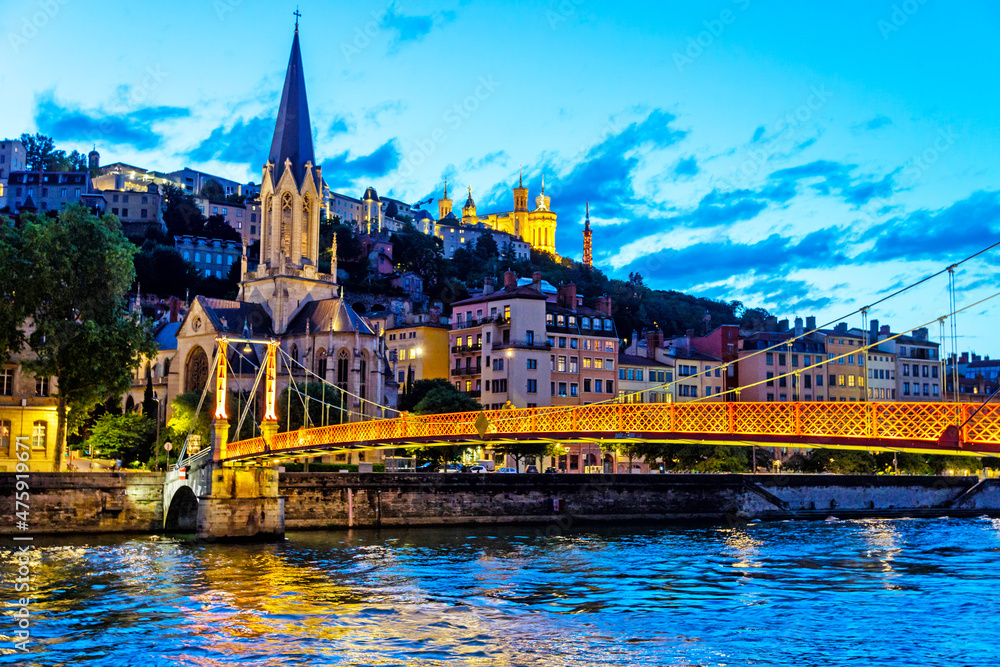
x,y
297,14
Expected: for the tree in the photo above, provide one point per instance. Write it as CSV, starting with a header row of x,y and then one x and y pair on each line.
x,y
180,214
77,270
41,155
216,227
440,400
213,190
38,151
521,450
185,417
161,270
421,253
13,309
413,394
128,437
319,394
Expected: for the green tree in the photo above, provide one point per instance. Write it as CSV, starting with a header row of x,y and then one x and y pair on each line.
x,y
421,253
185,417
128,437
161,270
216,227
13,308
79,267
522,450
413,394
38,151
320,396
213,190
446,399
180,213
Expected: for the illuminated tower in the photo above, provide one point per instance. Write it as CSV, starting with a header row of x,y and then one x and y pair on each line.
x,y
444,204
469,210
520,196
372,211
588,255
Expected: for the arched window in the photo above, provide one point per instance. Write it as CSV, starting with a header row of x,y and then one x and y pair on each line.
x,y
196,370
295,352
166,367
321,363
306,204
39,434
363,388
286,222
343,369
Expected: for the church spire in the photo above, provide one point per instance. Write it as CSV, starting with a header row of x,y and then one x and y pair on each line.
x,y
292,131
588,250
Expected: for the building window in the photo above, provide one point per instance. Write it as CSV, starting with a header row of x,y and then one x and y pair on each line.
x,y
769,358
39,434
532,364
532,386
42,386
562,389
598,386
529,337
586,385
574,389
5,438
7,382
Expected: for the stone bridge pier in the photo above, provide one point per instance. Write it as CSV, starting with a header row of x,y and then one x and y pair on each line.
x,y
219,502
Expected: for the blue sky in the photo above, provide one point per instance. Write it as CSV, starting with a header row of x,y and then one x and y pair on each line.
x,y
805,157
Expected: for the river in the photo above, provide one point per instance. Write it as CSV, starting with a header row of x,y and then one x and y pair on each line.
x,y
865,592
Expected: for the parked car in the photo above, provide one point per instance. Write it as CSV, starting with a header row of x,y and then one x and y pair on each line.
x,y
531,469
550,470
427,467
478,469
453,467
507,470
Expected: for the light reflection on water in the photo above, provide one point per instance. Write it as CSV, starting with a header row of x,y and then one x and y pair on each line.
x,y
847,592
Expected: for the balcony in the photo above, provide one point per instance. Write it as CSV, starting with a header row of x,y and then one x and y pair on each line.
x,y
498,320
474,370
475,393
521,345
461,349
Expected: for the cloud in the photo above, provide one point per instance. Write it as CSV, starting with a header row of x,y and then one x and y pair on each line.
x,y
876,123
376,112
342,169
836,179
686,167
341,124
757,134
496,157
720,260
412,27
123,125
245,141
961,229
776,292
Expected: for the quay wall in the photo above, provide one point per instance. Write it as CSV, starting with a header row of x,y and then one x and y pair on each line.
x,y
83,502
80,503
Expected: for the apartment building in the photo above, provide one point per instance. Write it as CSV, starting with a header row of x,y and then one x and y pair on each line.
x,y
212,257
918,365
643,380
418,350
786,372
846,370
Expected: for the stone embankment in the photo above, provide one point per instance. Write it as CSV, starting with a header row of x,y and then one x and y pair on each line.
x,y
133,502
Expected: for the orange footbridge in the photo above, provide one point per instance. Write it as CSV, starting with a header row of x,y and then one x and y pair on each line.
x,y
927,428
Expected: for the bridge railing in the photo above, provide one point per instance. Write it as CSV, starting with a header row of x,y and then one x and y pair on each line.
x,y
854,420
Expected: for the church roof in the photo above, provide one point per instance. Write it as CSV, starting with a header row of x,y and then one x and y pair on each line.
x,y
319,314
370,195
230,316
292,131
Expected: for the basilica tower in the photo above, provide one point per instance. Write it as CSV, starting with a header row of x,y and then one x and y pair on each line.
x,y
588,249
444,204
291,198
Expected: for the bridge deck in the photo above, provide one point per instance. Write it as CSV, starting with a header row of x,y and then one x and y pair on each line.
x,y
914,427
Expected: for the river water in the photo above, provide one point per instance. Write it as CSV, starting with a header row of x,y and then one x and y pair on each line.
x,y
866,592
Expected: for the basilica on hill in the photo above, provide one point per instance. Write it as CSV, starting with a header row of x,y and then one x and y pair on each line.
x,y
287,297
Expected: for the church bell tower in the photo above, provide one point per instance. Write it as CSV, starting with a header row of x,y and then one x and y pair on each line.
x,y
290,198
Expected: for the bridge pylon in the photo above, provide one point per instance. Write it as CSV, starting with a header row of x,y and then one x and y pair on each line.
x,y
240,504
